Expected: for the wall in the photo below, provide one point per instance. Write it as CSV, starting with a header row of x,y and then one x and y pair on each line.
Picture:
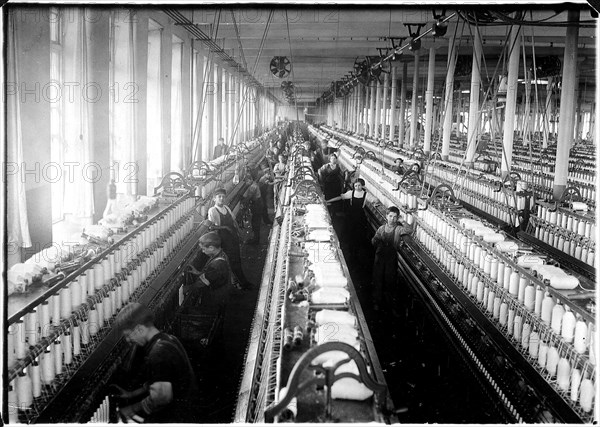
x,y
288,112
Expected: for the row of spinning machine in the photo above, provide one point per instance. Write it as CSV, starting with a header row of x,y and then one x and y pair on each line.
x,y
62,349
310,356
522,319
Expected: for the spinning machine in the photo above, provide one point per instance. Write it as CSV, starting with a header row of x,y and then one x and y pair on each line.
x,y
62,349
521,316
310,356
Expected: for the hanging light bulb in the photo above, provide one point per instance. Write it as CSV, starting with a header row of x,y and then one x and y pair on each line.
x,y
439,29
415,44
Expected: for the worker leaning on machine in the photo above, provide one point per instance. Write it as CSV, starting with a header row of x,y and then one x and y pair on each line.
x,y
214,276
169,387
387,241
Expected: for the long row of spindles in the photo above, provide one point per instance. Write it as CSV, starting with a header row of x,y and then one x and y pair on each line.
x,y
47,344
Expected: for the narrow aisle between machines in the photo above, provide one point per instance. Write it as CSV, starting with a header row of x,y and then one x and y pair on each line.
x,y
426,381
219,366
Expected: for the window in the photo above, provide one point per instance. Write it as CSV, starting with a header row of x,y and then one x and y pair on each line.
x,y
123,103
78,89
176,105
154,108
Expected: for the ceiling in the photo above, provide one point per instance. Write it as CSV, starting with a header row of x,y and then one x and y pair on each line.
x,y
322,42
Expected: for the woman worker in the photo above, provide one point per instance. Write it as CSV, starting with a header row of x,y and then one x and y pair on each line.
x,y
356,220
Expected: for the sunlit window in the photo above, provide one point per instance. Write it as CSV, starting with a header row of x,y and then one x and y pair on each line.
x,y
123,102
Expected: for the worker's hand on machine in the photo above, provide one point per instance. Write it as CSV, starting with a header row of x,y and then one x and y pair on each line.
x,y
130,413
119,392
192,270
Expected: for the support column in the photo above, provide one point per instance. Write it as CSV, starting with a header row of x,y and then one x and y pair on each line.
x,y
527,119
393,104
225,106
209,106
386,89
141,80
567,105
99,116
186,113
353,117
361,119
402,112
429,101
474,120
449,100
231,105
372,110
166,58
511,100
413,107
378,109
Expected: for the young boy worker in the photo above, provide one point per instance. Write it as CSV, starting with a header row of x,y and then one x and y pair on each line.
x,y
169,386
214,278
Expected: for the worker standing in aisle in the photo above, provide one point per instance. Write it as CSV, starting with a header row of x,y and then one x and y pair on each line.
x,y
224,222
331,179
266,184
387,241
253,199
168,390
356,219
220,149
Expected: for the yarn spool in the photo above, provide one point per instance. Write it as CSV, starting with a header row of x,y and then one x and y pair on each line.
x,y
35,372
98,277
24,389
82,279
76,338
47,364
58,356
66,302
556,320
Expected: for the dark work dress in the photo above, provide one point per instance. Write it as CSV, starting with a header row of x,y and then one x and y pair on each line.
x,y
357,220
332,183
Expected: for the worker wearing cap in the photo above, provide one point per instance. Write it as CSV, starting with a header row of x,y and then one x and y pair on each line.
x,y
224,222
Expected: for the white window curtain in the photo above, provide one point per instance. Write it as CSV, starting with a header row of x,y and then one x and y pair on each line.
x,y
16,203
79,196
123,105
